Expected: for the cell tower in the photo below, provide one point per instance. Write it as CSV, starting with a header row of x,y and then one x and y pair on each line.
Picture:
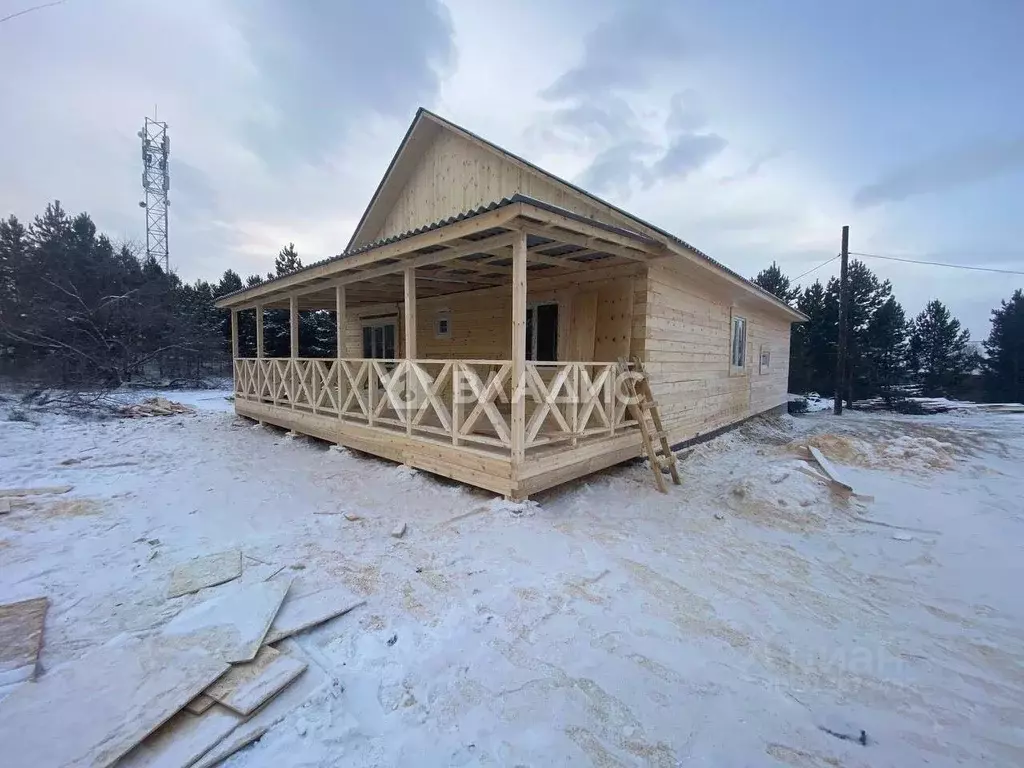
x,y
156,181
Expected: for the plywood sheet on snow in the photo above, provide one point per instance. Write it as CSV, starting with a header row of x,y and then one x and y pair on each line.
x,y
40,491
308,684
21,636
203,572
92,711
246,686
183,739
200,704
300,612
233,625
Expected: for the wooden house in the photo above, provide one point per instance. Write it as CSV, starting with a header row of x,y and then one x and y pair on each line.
x,y
483,306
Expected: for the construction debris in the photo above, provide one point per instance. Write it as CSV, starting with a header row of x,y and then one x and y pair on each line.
x,y
21,636
352,517
154,406
92,711
41,491
300,612
192,695
247,686
233,625
5,505
830,471
203,572
398,531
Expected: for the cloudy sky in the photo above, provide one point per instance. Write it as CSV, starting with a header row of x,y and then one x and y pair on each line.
x,y
752,128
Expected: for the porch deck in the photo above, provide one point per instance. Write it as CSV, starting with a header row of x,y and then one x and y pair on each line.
x,y
451,417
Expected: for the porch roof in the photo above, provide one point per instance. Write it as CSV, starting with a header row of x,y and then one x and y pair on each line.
x,y
472,251
466,252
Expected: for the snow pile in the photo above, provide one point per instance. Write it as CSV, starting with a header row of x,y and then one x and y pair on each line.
x,y
906,453
781,497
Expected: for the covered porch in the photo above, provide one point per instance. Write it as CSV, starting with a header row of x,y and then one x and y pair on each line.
x,y
483,349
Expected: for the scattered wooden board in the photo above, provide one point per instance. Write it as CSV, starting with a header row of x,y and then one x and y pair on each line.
x,y
200,704
300,612
41,491
21,637
92,711
246,686
830,471
183,739
203,572
308,684
233,625
5,505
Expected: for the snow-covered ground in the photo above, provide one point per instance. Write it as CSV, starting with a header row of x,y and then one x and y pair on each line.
x,y
724,624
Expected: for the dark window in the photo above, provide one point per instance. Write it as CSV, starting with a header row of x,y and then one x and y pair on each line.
x,y
379,341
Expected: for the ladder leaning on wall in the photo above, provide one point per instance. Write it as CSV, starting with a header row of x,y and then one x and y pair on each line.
x,y
645,410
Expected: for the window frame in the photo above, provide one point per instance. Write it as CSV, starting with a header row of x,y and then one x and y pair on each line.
x,y
446,333
742,347
379,322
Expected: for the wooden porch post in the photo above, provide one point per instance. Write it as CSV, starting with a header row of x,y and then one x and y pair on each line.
x,y
259,330
293,327
410,345
234,335
518,353
340,311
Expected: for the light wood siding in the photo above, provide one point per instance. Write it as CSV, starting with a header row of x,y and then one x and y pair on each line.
x,y
480,322
685,339
456,175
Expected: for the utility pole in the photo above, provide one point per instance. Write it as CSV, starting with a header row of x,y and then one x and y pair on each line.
x,y
844,313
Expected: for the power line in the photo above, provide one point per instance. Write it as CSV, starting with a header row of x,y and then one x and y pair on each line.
x,y
936,264
29,10
814,269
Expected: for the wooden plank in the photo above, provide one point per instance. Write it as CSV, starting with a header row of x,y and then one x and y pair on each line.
x,y
293,325
234,334
583,326
612,334
21,637
92,711
259,331
5,505
200,704
245,687
833,474
300,612
202,572
40,491
184,739
233,625
518,420
308,684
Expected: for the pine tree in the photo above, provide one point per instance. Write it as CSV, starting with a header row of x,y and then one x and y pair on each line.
x,y
812,350
1004,365
866,296
287,261
940,353
885,353
776,283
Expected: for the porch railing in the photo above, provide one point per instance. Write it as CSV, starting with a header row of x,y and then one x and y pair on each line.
x,y
464,402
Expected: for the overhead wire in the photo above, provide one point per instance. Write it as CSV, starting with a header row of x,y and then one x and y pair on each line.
x,y
814,269
937,263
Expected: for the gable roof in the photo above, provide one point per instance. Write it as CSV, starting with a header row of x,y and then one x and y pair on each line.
x,y
427,125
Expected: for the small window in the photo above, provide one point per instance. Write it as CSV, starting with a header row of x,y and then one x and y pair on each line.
x,y
766,360
739,342
442,327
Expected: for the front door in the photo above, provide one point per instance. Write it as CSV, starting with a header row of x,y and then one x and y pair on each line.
x,y
379,339
542,332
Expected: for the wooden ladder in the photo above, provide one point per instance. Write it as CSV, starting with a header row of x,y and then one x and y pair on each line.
x,y
645,411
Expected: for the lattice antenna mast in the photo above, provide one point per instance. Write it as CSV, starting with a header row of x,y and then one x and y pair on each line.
x,y
156,181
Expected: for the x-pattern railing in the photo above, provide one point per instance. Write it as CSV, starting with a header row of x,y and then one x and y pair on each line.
x,y
466,401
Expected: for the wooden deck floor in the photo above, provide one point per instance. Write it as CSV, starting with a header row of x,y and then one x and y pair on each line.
x,y
545,466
